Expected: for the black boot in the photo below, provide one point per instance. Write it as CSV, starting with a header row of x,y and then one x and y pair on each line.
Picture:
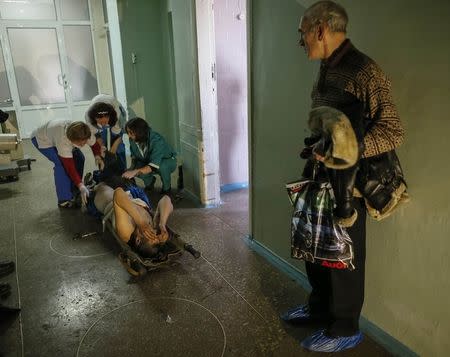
x,y
5,290
151,186
6,267
6,310
6,313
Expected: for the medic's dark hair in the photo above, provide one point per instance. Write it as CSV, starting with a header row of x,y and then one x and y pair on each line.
x,y
99,110
140,129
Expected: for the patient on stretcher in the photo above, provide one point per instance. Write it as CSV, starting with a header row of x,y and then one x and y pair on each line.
x,y
136,226
131,217
129,210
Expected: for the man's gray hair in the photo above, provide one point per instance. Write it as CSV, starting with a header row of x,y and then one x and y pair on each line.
x,y
327,12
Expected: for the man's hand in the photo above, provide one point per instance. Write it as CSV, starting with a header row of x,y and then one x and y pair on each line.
x,y
163,236
319,158
317,150
162,228
149,233
130,174
306,152
157,221
99,162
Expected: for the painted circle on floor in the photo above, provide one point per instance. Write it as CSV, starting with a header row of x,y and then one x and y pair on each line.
x,y
91,246
163,326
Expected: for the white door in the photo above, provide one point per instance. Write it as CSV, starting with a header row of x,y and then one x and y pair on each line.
x,y
208,102
49,59
6,102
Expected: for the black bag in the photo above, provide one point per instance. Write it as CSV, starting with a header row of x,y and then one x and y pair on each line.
x,y
381,182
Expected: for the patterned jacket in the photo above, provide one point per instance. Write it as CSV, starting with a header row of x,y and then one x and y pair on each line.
x,y
347,77
354,84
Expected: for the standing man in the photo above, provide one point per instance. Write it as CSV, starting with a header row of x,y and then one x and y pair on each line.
x,y
347,78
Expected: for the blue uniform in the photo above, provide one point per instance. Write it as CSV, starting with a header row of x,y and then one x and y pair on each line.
x,y
51,140
107,133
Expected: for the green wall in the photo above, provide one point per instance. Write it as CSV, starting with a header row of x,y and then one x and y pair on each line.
x,y
281,84
408,289
146,81
162,85
186,88
169,72
407,284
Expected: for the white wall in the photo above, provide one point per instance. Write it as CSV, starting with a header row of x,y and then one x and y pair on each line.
x,y
231,69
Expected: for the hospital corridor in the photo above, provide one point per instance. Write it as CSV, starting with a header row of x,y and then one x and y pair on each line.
x,y
77,299
224,178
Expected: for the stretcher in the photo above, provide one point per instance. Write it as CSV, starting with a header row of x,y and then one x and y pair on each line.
x,y
12,158
134,263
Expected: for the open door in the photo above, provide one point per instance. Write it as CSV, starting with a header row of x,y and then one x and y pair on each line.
x,y
209,155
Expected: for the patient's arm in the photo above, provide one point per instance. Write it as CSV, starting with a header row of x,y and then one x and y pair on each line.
x,y
129,216
163,211
115,145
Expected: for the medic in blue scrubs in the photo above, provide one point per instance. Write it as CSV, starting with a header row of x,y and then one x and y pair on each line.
x,y
60,141
106,117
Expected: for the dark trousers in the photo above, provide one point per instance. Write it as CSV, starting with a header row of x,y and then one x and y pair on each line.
x,y
120,153
339,294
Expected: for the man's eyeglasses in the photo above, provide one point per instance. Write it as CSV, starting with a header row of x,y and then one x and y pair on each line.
x,y
303,34
302,37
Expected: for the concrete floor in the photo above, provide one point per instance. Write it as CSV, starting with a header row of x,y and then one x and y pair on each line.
x,y
78,300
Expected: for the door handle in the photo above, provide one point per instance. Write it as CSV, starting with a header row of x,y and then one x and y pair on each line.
x,y
62,81
9,101
213,71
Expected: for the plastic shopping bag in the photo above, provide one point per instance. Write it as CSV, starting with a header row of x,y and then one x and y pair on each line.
x,y
315,237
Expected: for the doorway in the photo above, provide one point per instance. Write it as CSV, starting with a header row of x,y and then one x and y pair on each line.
x,y
223,81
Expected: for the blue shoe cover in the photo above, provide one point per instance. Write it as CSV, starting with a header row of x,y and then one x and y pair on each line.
x,y
319,342
300,312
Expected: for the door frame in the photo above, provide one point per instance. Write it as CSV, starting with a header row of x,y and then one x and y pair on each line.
x,y
115,49
209,144
204,125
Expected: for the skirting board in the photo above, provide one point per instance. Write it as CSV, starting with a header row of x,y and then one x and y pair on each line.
x,y
188,194
233,187
384,339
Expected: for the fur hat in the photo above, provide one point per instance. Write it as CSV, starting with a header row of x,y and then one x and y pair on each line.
x,y
338,138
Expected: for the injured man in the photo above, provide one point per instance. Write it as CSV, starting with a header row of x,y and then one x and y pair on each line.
x,y
130,213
